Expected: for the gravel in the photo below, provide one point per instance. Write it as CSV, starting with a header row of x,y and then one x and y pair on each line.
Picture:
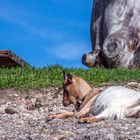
x,y
33,123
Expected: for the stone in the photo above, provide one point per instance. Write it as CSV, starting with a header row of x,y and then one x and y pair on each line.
x,y
38,103
64,136
110,137
11,110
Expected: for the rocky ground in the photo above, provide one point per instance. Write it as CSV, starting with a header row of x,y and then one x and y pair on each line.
x,y
24,116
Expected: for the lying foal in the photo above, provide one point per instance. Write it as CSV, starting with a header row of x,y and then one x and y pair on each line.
x,y
115,102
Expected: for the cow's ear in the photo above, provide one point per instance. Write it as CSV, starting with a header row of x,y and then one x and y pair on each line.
x,y
67,77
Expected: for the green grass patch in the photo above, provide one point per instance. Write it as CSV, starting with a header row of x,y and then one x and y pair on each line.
x,y
31,77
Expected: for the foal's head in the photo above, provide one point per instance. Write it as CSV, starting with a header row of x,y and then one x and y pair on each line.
x,y
74,88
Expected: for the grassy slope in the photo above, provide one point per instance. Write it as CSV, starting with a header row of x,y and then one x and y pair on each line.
x,y
31,77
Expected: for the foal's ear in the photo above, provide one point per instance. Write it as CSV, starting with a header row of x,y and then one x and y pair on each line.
x,y
67,77
64,75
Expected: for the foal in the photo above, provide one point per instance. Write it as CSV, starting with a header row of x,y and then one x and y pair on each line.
x,y
115,102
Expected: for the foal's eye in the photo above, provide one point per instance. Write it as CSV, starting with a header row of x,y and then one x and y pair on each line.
x,y
65,91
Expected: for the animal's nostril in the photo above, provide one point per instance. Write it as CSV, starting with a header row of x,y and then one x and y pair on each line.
x,y
66,103
84,58
112,47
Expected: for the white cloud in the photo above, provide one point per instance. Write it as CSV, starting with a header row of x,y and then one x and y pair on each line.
x,y
68,50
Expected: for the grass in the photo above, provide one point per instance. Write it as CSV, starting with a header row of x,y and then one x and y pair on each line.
x,y
31,77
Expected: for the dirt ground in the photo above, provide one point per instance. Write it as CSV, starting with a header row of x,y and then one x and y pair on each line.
x,y
24,116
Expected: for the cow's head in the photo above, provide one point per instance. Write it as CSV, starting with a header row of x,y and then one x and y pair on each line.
x,y
91,59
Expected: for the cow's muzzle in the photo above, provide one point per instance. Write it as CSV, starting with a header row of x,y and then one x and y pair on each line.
x,y
89,59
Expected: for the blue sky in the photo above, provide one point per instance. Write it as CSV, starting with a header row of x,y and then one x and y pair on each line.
x,y
45,32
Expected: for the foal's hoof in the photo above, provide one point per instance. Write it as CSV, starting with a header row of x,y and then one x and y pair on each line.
x,y
48,119
80,121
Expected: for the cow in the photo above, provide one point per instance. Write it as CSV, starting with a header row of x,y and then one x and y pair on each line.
x,y
115,34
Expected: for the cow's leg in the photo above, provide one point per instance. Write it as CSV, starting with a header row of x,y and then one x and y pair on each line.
x,y
136,60
96,32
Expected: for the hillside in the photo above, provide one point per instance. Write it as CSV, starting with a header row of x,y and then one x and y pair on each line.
x,y
28,95
32,77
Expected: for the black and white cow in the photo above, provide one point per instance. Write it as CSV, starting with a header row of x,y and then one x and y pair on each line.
x,y
115,34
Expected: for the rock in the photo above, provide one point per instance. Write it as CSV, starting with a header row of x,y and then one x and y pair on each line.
x,y
64,136
86,138
110,137
115,34
134,85
11,110
47,119
30,102
38,103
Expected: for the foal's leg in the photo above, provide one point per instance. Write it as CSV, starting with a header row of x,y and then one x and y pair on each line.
x,y
90,119
62,116
133,112
104,115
